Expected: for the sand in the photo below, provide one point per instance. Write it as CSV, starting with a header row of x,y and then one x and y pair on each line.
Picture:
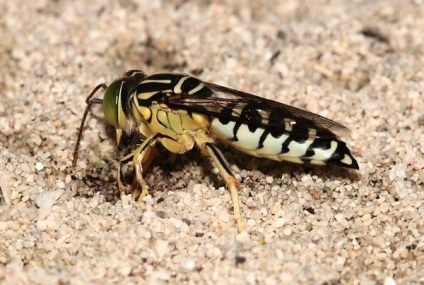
x,y
356,62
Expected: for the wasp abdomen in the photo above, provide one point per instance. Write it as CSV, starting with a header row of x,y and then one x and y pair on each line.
x,y
261,142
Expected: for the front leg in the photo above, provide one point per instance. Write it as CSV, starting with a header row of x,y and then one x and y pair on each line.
x,y
140,159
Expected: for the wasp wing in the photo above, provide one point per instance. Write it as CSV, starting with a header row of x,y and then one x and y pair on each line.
x,y
233,105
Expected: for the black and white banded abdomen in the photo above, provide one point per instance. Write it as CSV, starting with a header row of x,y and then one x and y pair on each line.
x,y
260,142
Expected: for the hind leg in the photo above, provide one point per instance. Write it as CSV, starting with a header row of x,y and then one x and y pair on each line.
x,y
209,149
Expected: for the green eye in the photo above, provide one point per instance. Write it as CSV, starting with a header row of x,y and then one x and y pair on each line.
x,y
111,103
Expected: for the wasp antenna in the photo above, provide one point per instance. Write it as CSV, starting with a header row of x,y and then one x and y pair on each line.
x,y
90,101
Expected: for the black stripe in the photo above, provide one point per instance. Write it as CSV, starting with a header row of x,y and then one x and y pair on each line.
x,y
192,83
285,145
127,88
153,87
220,157
148,87
127,160
262,139
251,115
166,76
121,170
157,119
225,115
205,92
189,84
299,132
318,143
275,119
235,130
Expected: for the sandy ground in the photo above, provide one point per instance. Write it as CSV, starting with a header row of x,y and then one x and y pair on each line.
x,y
357,62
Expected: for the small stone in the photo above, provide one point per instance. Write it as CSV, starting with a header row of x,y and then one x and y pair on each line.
x,y
162,274
3,226
279,222
60,184
68,179
46,200
39,166
389,281
161,248
269,179
287,231
188,264
243,237
223,215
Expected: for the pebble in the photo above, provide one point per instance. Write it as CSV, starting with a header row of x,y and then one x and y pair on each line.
x,y
188,264
389,281
287,231
45,200
162,274
223,215
279,222
60,184
161,248
39,166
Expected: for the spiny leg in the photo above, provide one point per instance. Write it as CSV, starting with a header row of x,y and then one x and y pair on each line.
x,y
126,160
141,158
139,168
229,178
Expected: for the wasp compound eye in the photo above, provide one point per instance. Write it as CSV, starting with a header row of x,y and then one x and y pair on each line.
x,y
112,102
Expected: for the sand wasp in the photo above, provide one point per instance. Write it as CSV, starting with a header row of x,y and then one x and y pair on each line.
x,y
182,112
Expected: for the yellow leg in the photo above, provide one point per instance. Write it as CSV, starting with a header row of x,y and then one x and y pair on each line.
x,y
138,158
229,178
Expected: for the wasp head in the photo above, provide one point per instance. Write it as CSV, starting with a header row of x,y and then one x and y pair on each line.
x,y
116,101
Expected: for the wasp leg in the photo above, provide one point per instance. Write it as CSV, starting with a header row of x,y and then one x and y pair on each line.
x,y
144,165
229,178
138,158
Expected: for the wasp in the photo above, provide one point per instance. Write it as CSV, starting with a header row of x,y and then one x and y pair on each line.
x,y
182,112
